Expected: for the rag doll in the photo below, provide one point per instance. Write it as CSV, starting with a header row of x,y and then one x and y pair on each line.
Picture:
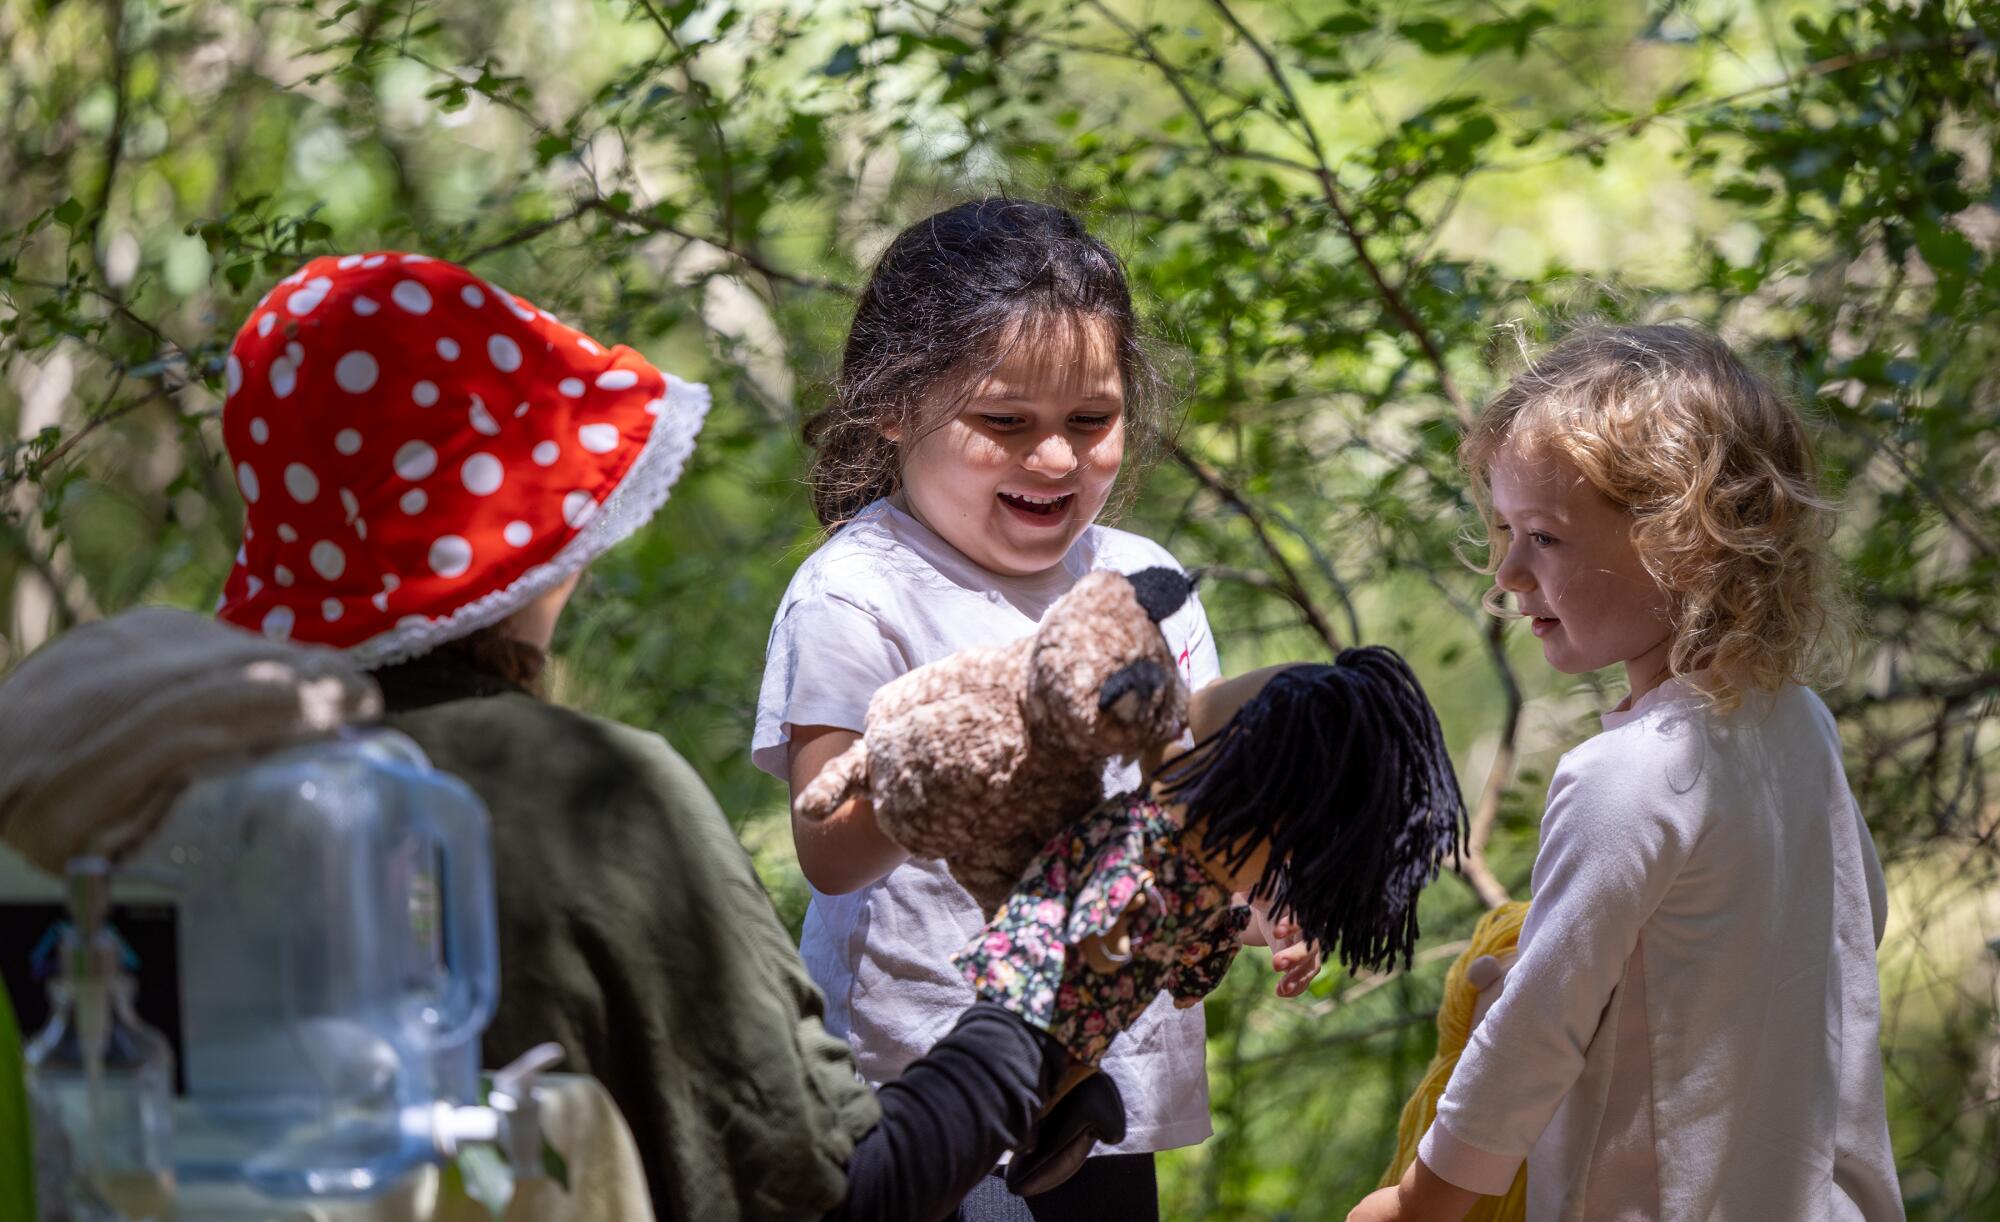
x,y
1324,791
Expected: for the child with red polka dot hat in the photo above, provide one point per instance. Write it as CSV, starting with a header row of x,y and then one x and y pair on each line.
x,y
422,454
427,463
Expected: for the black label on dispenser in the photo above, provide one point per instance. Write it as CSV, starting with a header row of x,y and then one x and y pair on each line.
x,y
30,953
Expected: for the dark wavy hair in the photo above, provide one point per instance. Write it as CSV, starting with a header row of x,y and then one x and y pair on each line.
x,y
950,299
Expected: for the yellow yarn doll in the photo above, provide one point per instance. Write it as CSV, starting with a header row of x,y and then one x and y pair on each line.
x,y
1469,988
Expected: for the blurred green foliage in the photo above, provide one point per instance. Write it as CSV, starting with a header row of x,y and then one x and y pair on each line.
x,y
1344,216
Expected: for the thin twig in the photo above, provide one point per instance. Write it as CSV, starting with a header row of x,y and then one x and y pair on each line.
x,y
1288,577
1370,981
1967,40
111,299
1932,491
1330,191
1951,692
703,98
1385,1027
1473,866
114,140
654,224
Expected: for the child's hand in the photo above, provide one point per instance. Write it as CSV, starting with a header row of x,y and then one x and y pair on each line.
x,y
1381,1205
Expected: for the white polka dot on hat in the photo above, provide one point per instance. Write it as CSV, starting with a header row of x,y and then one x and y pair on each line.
x,y
371,376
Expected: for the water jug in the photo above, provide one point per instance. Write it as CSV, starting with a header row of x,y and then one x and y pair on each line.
x,y
338,964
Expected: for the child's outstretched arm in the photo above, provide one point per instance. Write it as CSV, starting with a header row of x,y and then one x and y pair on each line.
x,y
847,850
1610,851
1422,1196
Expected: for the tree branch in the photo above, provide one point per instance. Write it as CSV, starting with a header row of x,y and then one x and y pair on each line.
x,y
1330,191
1288,578
704,98
1589,141
653,224
1473,867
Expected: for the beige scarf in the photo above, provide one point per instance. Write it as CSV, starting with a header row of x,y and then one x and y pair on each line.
x,y
103,727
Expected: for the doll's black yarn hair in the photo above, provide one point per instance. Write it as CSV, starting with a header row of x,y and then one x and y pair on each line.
x,y
1342,770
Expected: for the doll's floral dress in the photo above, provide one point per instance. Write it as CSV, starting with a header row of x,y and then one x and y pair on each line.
x,y
1184,930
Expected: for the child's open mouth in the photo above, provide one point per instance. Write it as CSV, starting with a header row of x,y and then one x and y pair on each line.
x,y
1542,625
1039,510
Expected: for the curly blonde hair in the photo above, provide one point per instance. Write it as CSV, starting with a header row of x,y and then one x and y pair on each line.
x,y
1717,470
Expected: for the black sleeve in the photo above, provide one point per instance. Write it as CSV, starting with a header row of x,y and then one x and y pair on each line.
x,y
950,1117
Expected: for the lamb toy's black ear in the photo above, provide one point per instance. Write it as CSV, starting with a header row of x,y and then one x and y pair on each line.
x,y
1161,591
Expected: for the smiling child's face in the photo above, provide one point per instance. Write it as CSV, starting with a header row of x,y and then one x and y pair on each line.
x,y
1569,563
1024,468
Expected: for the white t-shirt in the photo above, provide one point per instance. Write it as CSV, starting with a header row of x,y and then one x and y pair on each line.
x,y
883,596
1693,1028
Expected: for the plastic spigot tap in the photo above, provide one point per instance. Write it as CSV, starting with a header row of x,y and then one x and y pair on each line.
x,y
513,1096
511,1119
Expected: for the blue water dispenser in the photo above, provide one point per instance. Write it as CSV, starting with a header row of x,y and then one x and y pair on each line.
x,y
338,964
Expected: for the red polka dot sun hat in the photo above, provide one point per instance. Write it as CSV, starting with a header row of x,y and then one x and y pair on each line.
x,y
421,453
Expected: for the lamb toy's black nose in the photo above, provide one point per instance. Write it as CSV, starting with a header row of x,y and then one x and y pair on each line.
x,y
1161,591
1132,689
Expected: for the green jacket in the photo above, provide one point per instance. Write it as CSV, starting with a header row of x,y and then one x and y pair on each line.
x,y
634,930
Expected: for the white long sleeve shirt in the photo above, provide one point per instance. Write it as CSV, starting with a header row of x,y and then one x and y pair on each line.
x,y
1692,1029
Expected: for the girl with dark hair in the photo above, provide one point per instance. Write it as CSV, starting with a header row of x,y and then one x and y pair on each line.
x,y
993,382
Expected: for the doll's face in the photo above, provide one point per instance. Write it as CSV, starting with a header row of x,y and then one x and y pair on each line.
x,y
1239,878
1209,710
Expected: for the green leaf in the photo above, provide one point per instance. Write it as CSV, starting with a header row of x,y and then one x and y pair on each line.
x,y
17,1169
555,1166
1346,23
1435,37
1945,248
68,213
1750,193
487,1178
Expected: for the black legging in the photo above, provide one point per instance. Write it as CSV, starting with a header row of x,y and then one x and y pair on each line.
x,y
950,1116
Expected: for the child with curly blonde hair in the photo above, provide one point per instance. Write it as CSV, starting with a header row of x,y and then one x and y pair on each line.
x,y
1691,1030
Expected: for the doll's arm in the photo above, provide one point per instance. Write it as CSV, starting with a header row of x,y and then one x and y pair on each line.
x,y
1112,949
1078,888
1191,981
1296,960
